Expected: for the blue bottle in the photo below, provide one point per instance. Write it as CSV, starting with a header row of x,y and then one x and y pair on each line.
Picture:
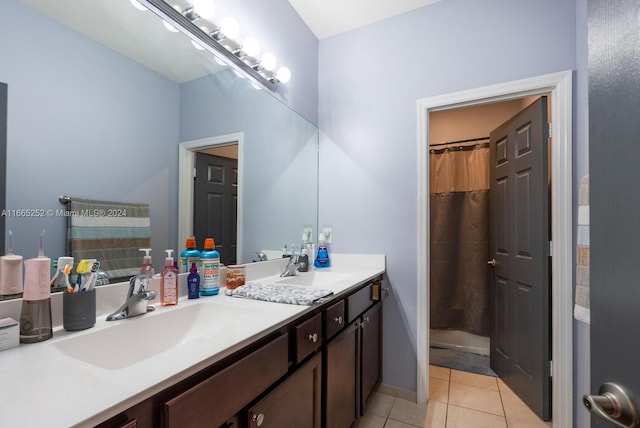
x,y
210,269
322,258
193,282
189,255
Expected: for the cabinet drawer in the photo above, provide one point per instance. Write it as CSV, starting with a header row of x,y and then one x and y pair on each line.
x,y
308,337
358,302
215,400
293,403
334,319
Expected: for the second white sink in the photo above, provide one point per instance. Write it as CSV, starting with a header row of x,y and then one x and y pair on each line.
x,y
315,279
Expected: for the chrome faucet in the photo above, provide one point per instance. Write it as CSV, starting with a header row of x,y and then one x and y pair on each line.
x,y
262,257
292,266
137,298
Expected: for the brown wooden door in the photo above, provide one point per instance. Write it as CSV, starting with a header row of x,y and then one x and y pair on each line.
x,y
371,354
215,210
519,244
295,403
341,407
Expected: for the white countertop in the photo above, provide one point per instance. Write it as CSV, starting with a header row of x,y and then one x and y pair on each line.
x,y
40,385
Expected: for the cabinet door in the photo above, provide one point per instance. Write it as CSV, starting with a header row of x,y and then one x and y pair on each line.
x,y
295,403
341,406
371,352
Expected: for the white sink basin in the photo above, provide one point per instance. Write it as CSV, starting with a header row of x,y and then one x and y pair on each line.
x,y
315,279
132,340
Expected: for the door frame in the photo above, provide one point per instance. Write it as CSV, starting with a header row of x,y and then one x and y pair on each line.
x,y
560,86
186,165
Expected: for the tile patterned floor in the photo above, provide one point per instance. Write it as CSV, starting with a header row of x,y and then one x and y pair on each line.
x,y
458,400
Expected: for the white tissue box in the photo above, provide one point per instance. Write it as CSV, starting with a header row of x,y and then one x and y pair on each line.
x,y
9,333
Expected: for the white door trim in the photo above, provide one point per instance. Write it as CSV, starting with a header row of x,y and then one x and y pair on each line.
x,y
186,164
560,86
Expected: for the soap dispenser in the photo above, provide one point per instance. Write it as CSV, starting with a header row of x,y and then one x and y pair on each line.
x,y
10,273
35,318
147,267
322,259
169,282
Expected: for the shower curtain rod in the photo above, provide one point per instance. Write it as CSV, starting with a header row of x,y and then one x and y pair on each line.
x,y
459,141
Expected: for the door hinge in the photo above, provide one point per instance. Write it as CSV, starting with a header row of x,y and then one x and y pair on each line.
x,y
194,172
550,253
550,368
550,128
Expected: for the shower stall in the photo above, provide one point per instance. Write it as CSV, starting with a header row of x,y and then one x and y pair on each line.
x,y
459,220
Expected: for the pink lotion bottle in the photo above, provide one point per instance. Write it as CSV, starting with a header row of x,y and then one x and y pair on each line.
x,y
169,282
147,267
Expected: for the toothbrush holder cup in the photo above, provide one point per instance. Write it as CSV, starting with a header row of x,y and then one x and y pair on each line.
x,y
79,310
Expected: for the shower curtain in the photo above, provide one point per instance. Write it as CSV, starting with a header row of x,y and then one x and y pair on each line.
x,y
459,222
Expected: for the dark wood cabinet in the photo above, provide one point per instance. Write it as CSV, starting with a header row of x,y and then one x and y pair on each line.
x,y
341,379
371,328
353,362
294,403
213,401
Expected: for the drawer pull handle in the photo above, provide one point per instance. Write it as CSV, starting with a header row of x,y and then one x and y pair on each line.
x,y
313,337
338,320
258,419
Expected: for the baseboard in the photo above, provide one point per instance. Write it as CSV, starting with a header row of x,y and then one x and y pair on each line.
x,y
405,394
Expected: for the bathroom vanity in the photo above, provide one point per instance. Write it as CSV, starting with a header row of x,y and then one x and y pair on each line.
x,y
214,361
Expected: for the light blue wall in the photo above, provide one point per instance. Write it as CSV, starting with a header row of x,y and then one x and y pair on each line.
x,y
83,121
280,155
369,81
280,30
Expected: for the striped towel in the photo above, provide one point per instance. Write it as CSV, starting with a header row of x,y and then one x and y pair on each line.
x,y
111,232
581,309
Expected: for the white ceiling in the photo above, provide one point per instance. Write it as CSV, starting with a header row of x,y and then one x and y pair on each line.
x,y
327,18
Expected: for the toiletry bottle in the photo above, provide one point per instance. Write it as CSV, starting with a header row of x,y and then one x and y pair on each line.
x,y
169,282
193,282
210,261
10,273
188,255
303,261
35,318
147,267
322,259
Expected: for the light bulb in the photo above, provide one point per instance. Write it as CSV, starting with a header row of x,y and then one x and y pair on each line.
x,y
204,8
197,45
268,62
283,74
169,27
251,46
138,5
229,27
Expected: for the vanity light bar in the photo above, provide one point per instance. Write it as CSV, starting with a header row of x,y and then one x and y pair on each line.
x,y
185,24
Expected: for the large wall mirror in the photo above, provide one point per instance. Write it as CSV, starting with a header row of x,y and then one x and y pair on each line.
x,y
101,99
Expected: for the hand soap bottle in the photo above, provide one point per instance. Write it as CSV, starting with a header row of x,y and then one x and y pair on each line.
x,y
322,259
169,282
35,318
210,261
10,273
147,267
193,282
